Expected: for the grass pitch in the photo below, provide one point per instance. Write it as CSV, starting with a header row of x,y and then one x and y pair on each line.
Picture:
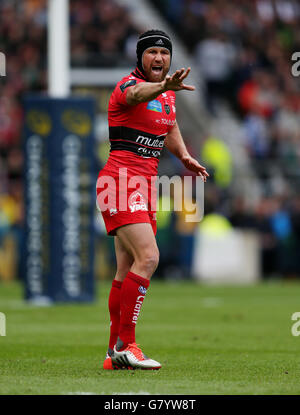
x,y
209,339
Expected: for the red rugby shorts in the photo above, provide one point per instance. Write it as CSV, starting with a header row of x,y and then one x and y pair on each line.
x,y
124,198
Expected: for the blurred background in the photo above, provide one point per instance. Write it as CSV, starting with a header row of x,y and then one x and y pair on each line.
x,y
242,123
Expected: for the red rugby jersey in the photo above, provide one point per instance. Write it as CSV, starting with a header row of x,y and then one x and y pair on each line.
x,y
137,133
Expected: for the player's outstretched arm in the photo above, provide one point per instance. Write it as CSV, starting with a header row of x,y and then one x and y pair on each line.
x,y
174,143
147,91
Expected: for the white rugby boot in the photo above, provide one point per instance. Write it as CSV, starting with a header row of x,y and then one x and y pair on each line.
x,y
133,357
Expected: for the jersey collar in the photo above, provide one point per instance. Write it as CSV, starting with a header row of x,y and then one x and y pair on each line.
x,y
138,74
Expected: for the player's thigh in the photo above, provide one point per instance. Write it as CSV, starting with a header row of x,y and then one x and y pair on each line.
x,y
124,259
139,240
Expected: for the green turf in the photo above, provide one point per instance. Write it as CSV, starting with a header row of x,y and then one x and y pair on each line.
x,y
209,339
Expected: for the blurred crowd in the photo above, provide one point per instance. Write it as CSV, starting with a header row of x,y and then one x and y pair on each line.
x,y
101,34
243,50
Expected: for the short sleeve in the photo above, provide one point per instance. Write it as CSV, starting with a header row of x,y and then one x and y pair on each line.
x,y
122,89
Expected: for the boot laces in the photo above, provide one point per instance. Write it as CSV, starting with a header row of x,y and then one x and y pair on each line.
x,y
133,347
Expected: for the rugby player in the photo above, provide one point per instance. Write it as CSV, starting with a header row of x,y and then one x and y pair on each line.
x,y
142,119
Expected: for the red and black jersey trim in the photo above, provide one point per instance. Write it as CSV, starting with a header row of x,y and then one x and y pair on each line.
x,y
139,142
138,74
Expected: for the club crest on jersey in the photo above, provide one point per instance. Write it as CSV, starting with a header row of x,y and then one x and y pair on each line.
x,y
167,109
154,105
127,84
142,290
136,202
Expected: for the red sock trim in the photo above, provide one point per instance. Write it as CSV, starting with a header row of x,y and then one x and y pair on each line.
x,y
140,280
117,284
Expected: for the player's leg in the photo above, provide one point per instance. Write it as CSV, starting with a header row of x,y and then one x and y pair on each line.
x,y
139,240
124,262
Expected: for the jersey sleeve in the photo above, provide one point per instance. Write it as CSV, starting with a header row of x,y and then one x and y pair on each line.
x,y
122,89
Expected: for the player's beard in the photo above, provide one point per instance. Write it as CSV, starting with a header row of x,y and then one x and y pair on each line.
x,y
153,77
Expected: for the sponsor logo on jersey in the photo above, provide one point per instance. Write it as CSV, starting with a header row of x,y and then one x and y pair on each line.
x,y
167,109
142,290
155,153
151,142
136,202
154,105
167,122
126,84
147,153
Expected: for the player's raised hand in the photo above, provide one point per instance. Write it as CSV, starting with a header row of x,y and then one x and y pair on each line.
x,y
175,82
192,164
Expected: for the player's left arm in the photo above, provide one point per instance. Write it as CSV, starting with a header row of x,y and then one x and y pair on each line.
x,y
174,143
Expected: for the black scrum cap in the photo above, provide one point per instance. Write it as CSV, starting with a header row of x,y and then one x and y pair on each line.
x,y
150,39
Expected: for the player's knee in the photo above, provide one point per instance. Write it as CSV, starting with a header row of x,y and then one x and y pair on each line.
x,y
150,260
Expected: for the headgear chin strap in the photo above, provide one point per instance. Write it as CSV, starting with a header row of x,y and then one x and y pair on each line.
x,y
150,39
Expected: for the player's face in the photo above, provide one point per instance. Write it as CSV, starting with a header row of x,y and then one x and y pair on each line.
x,y
156,63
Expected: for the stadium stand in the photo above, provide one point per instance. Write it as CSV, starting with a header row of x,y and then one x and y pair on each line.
x,y
242,51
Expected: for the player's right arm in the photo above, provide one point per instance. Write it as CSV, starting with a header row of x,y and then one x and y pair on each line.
x,y
147,91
